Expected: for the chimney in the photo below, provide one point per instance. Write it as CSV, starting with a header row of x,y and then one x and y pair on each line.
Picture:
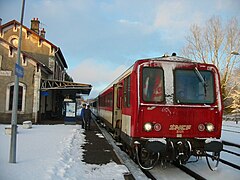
x,y
0,21
42,33
35,25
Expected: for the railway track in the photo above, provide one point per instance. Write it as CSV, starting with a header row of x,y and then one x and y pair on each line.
x,y
225,162
235,127
189,172
129,164
226,144
231,131
146,172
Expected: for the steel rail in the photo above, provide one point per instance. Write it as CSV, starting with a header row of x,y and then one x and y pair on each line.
x,y
189,171
230,126
231,152
226,162
148,174
230,144
230,131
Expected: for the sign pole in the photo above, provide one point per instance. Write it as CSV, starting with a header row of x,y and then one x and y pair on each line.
x,y
12,156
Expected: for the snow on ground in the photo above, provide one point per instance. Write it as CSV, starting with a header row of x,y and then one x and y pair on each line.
x,y
230,131
51,152
54,152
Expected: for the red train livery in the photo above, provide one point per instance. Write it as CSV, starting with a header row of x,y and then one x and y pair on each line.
x,y
167,109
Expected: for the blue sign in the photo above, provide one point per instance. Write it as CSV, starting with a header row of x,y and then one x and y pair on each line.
x,y
44,93
19,71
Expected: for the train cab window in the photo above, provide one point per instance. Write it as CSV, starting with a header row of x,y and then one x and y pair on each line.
x,y
193,87
152,84
126,89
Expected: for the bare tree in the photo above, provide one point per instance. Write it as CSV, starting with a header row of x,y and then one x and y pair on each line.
x,y
213,43
234,87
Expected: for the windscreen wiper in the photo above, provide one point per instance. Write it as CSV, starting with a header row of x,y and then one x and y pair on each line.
x,y
202,80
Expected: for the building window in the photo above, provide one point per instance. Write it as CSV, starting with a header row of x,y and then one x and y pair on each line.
x,y
40,41
21,97
14,41
24,60
28,34
38,68
1,57
10,51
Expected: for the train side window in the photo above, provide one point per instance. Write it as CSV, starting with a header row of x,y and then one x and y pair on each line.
x,y
119,96
152,84
126,95
110,99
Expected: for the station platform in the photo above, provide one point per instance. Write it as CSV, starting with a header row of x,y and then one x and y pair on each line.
x,y
98,150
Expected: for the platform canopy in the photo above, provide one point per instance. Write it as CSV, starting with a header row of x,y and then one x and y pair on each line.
x,y
69,87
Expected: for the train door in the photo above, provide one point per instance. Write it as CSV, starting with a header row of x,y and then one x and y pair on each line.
x,y
117,110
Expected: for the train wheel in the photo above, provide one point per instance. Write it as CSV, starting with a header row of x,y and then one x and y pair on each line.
x,y
145,159
215,159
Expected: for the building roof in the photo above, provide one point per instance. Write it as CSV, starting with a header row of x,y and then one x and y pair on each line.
x,y
73,87
47,84
15,23
26,54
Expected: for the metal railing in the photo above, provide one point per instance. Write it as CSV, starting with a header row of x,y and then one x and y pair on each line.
x,y
232,117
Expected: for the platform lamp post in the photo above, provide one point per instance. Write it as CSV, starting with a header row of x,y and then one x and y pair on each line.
x,y
18,73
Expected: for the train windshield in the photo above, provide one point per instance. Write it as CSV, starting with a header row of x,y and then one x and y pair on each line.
x,y
194,87
152,90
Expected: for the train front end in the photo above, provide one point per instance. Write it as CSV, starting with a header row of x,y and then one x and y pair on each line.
x,y
179,110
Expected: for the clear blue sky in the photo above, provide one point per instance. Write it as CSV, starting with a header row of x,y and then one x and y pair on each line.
x,y
101,38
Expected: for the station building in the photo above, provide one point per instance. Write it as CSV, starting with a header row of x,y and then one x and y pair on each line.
x,y
45,83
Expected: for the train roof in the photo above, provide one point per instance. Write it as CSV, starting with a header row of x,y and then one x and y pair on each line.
x,y
166,58
170,58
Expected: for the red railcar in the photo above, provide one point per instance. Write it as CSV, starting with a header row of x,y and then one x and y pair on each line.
x,y
167,108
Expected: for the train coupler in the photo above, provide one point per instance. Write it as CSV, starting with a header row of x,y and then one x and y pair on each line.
x,y
213,145
156,146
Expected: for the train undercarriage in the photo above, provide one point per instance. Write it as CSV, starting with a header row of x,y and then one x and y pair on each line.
x,y
148,153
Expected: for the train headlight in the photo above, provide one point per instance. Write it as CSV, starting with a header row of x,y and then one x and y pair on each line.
x,y
148,127
209,127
